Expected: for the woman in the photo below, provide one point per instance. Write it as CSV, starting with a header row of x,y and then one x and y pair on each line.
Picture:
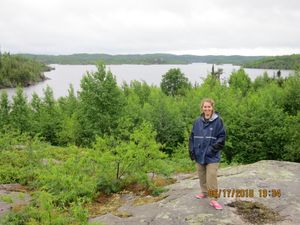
x,y
205,144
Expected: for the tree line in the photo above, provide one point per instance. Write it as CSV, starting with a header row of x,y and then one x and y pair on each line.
x,y
285,62
261,116
158,58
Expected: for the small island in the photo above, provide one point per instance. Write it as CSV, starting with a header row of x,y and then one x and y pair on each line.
x,y
20,71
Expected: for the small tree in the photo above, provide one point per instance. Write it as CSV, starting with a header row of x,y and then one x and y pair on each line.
x,y
261,81
240,81
4,109
68,107
174,83
165,116
20,112
292,147
292,94
50,120
101,103
216,75
142,90
130,160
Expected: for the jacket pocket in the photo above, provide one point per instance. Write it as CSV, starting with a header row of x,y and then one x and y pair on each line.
x,y
210,152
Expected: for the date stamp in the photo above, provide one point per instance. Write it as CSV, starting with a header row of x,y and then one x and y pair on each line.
x,y
244,193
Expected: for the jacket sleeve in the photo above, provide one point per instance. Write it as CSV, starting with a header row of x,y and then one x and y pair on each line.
x,y
221,136
191,146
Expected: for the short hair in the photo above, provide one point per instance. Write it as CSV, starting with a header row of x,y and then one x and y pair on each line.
x,y
211,101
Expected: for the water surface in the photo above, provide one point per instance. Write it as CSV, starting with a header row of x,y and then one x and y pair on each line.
x,y
64,75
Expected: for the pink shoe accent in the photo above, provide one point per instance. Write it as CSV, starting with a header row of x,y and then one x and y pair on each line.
x,y
215,204
200,196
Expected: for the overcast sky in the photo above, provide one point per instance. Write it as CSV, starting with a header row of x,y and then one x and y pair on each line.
x,y
224,27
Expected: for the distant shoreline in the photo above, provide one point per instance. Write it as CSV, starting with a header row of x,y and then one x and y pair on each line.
x,y
288,62
139,59
28,84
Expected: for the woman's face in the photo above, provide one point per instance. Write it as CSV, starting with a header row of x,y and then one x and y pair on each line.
x,y
207,109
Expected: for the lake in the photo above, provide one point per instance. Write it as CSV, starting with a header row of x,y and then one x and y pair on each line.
x,y
64,75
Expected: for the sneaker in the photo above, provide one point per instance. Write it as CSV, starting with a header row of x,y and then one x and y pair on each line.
x,y
215,204
200,196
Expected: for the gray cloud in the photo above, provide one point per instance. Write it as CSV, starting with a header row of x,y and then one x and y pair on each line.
x,y
140,26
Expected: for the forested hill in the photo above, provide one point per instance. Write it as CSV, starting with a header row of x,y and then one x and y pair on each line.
x,y
290,62
17,70
140,59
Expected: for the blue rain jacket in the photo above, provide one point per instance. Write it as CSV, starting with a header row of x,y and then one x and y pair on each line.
x,y
207,139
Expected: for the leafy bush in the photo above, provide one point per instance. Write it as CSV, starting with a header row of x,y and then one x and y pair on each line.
x,y
42,210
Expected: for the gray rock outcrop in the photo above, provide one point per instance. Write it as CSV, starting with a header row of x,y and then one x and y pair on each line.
x,y
181,207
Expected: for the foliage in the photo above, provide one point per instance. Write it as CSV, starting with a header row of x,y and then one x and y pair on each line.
x,y
20,112
128,131
100,102
42,210
174,83
141,90
70,180
292,148
4,110
180,160
240,81
258,127
285,62
261,81
68,108
292,94
19,70
49,118
133,158
76,59
252,112
163,113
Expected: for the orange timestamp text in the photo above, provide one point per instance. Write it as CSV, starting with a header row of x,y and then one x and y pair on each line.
x,y
244,193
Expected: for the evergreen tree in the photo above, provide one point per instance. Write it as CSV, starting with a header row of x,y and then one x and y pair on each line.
x,y
36,105
216,75
68,107
261,81
20,112
292,94
240,81
292,147
50,118
4,109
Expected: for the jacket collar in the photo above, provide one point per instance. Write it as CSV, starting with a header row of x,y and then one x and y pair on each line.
x,y
212,118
